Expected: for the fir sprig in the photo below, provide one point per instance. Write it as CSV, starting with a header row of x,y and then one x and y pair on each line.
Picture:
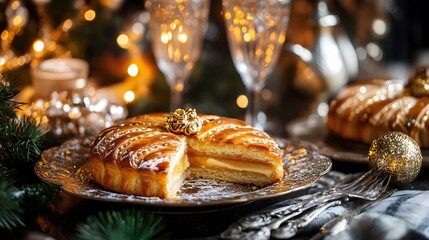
x,y
129,224
10,211
21,140
8,106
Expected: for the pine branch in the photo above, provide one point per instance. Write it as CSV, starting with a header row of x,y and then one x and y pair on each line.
x,y
129,224
10,210
7,105
21,140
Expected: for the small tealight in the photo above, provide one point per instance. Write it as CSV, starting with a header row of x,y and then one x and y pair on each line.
x,y
59,74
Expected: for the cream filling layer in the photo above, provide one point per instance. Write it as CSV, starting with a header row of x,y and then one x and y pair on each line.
x,y
267,171
178,172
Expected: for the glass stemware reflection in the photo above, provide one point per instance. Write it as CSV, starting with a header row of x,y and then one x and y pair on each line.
x,y
177,29
256,31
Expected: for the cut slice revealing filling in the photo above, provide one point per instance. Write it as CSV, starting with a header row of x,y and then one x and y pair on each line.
x,y
140,157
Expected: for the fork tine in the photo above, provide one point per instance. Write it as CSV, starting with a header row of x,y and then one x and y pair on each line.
x,y
375,188
385,183
369,188
378,188
375,179
364,178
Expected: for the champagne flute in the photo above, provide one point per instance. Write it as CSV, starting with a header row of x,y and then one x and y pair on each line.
x,y
256,31
177,29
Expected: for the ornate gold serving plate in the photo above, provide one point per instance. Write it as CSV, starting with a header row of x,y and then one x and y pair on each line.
x,y
64,165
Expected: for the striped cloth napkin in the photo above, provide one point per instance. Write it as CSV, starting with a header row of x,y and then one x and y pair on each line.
x,y
403,215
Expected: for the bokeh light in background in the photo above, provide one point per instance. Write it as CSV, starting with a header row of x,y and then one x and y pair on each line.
x,y
242,101
89,15
133,70
123,41
67,25
379,27
112,36
129,96
38,46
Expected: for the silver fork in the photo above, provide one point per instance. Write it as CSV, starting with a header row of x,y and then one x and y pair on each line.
x,y
368,186
292,226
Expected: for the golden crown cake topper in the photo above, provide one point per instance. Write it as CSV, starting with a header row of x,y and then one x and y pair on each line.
x,y
419,83
184,121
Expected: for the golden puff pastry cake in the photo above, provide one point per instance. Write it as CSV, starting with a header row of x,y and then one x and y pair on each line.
x,y
368,109
152,154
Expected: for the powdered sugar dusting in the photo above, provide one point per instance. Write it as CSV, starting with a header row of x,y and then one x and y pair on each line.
x,y
209,190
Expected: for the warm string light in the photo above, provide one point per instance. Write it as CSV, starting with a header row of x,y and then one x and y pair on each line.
x,y
242,101
129,96
133,70
17,17
89,15
138,71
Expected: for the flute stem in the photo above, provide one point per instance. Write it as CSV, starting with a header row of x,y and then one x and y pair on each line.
x,y
176,96
254,114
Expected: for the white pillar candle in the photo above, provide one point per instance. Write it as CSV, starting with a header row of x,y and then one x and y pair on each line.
x,y
59,74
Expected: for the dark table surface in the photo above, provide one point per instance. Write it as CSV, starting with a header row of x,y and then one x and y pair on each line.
x,y
182,223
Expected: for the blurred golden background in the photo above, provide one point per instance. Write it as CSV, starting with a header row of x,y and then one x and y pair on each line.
x,y
376,38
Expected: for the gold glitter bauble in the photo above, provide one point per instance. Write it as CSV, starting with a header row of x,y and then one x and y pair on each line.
x,y
397,154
